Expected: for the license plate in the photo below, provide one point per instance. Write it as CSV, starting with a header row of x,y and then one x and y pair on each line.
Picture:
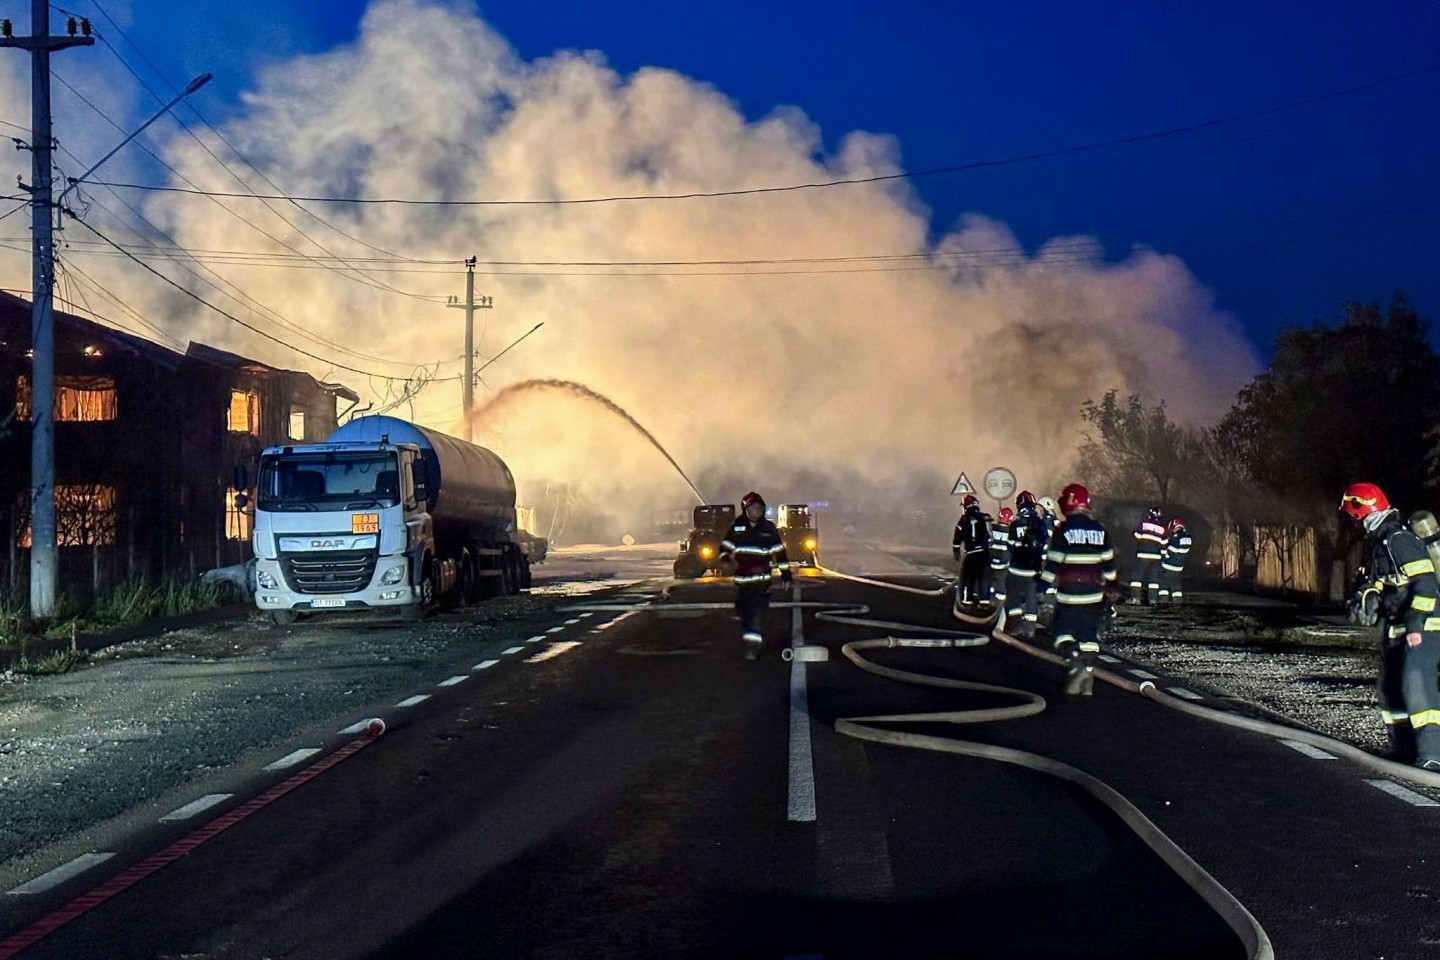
x,y
365,523
324,602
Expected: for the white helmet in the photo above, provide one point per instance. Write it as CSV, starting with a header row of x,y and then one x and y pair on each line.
x,y
1050,506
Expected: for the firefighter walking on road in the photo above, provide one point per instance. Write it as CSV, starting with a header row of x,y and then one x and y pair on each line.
x,y
971,546
1027,553
1149,551
1080,564
1401,590
1177,551
1000,554
752,547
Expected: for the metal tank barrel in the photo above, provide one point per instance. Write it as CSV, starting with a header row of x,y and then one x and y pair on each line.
x,y
472,492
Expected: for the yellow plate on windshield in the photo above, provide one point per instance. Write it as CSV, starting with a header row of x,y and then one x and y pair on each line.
x,y
365,523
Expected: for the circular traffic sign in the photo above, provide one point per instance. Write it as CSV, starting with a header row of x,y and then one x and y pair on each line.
x,y
999,483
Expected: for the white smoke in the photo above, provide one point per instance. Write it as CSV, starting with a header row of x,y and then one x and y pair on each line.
x,y
983,356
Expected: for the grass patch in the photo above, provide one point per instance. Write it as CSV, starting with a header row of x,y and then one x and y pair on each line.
x,y
120,606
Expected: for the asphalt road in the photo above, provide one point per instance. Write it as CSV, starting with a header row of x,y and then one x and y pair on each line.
x,y
631,787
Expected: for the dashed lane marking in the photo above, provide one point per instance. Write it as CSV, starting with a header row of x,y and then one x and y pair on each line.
x,y
1182,692
452,681
554,650
587,614
356,727
1109,659
61,873
290,759
1142,674
555,630
1314,753
201,805
1408,795
482,665
571,623
411,701
536,639
508,651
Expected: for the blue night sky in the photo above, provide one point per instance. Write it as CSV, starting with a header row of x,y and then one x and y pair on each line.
x,y
1285,217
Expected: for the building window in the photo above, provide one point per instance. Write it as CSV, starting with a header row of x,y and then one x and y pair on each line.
x,y
238,523
77,399
84,515
244,413
297,423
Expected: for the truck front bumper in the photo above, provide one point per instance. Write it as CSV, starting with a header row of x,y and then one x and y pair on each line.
x,y
377,594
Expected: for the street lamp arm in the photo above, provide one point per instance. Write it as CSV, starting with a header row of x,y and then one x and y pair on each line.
x,y
190,88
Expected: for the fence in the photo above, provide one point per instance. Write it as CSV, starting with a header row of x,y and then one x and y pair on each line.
x,y
1273,558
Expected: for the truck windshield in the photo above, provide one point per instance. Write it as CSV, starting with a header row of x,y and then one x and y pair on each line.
x,y
322,481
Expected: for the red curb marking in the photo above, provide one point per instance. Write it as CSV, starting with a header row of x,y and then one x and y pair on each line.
x,y
82,905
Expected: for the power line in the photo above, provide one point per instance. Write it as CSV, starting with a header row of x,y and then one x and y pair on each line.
x,y
822,184
251,327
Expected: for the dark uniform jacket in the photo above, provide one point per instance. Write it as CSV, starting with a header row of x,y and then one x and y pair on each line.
x,y
1149,540
755,546
1177,549
1401,570
972,533
1027,543
1080,561
999,546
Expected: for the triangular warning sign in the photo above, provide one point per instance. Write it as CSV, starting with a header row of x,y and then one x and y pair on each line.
x,y
962,487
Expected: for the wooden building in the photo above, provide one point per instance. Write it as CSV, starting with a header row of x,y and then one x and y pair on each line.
x,y
146,441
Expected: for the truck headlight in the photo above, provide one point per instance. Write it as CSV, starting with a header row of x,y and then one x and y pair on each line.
x,y
265,580
394,575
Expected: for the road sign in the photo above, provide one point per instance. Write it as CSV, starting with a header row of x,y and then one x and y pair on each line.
x,y
962,487
1000,483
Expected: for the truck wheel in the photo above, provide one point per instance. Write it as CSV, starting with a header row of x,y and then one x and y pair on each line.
x,y
526,577
466,587
283,618
511,577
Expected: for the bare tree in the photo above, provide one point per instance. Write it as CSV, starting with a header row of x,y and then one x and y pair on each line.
x,y
1133,450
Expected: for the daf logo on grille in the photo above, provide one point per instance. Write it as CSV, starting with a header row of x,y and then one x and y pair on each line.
x,y
326,544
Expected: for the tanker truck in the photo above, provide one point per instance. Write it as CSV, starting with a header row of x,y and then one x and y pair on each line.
x,y
384,517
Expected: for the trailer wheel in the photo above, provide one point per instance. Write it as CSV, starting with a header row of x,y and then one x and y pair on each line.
x,y
526,576
467,589
511,577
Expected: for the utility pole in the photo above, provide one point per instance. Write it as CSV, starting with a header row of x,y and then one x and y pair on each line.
x,y
43,550
467,388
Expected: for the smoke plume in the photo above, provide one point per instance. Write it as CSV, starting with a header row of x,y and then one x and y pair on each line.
x,y
803,380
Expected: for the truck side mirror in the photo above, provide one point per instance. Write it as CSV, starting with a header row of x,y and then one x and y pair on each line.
x,y
241,479
419,478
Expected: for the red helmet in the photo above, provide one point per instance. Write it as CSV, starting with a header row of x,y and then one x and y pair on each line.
x,y
1074,497
1007,515
970,501
1362,499
1177,524
1024,499
749,498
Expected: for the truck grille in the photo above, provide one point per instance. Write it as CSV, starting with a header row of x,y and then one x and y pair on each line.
x,y
329,572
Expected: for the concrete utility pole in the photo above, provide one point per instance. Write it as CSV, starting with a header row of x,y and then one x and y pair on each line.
x,y
467,388
43,551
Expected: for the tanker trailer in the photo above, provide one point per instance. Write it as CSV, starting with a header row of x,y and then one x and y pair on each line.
x,y
385,517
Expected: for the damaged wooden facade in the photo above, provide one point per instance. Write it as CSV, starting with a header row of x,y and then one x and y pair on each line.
x,y
146,441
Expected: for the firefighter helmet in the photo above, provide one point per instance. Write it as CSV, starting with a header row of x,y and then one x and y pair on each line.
x,y
1176,525
1007,515
1074,497
750,499
1051,507
1024,499
970,501
1156,513
1362,499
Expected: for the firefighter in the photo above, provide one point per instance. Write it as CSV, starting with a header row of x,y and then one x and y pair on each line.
x,y
1027,553
752,547
1051,516
970,545
1000,554
1149,550
1177,550
1402,589
1080,563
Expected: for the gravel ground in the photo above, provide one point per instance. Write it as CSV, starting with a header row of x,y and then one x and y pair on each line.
x,y
142,718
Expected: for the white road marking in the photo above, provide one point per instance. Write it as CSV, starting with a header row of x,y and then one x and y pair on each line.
x,y
801,798
411,701
587,614
459,678
1182,692
484,664
1142,675
1314,753
356,727
1409,796
536,639
1109,659
198,806
571,623
555,630
61,873
555,650
290,759
510,650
